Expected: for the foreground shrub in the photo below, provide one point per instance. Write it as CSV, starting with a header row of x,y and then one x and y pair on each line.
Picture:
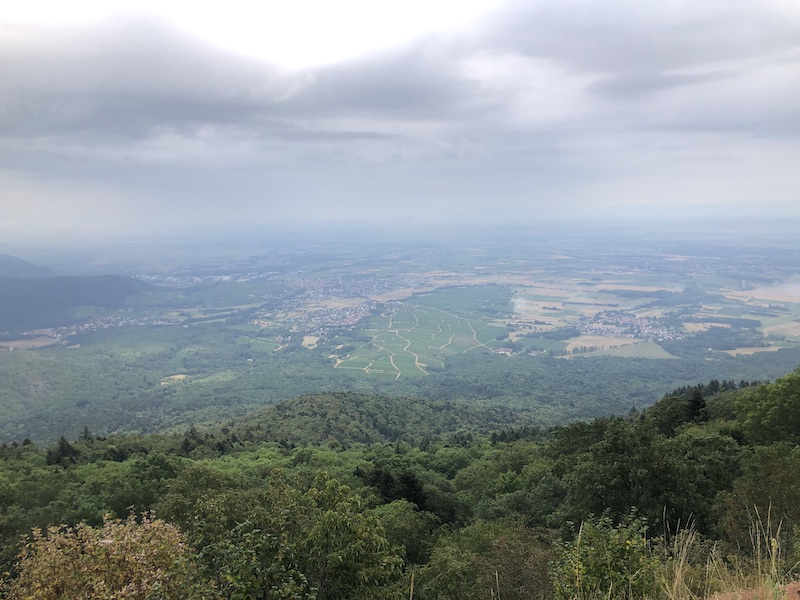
x,y
488,560
123,560
607,561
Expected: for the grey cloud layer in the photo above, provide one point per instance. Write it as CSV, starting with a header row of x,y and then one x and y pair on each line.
x,y
127,78
137,77
596,103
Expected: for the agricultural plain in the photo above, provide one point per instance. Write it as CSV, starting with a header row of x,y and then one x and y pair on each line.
x,y
566,327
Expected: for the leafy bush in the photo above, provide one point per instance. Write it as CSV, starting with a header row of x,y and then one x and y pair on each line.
x,y
125,560
607,561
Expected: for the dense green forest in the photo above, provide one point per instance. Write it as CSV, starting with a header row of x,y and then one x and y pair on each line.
x,y
113,380
357,496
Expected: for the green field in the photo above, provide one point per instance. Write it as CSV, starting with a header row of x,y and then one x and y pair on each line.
x,y
413,339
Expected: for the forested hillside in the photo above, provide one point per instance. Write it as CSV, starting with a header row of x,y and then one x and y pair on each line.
x,y
356,496
157,378
37,302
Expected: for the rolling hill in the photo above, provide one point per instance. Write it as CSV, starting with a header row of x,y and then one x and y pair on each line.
x,y
31,303
12,266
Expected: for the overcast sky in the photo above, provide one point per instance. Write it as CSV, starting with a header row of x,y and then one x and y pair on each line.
x,y
150,118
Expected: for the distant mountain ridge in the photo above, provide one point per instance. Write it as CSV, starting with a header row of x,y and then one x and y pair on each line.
x,y
12,266
33,303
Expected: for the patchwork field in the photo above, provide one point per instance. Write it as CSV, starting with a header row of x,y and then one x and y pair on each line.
x,y
599,341
410,339
525,313
784,292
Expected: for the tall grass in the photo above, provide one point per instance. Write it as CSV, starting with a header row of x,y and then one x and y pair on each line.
x,y
760,574
680,578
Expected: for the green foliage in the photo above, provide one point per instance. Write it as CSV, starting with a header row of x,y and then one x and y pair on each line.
x,y
451,573
285,542
346,550
488,560
607,561
459,508
769,488
410,529
706,465
63,454
771,412
630,467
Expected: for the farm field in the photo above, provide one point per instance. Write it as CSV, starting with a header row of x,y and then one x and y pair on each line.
x,y
623,316
411,340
